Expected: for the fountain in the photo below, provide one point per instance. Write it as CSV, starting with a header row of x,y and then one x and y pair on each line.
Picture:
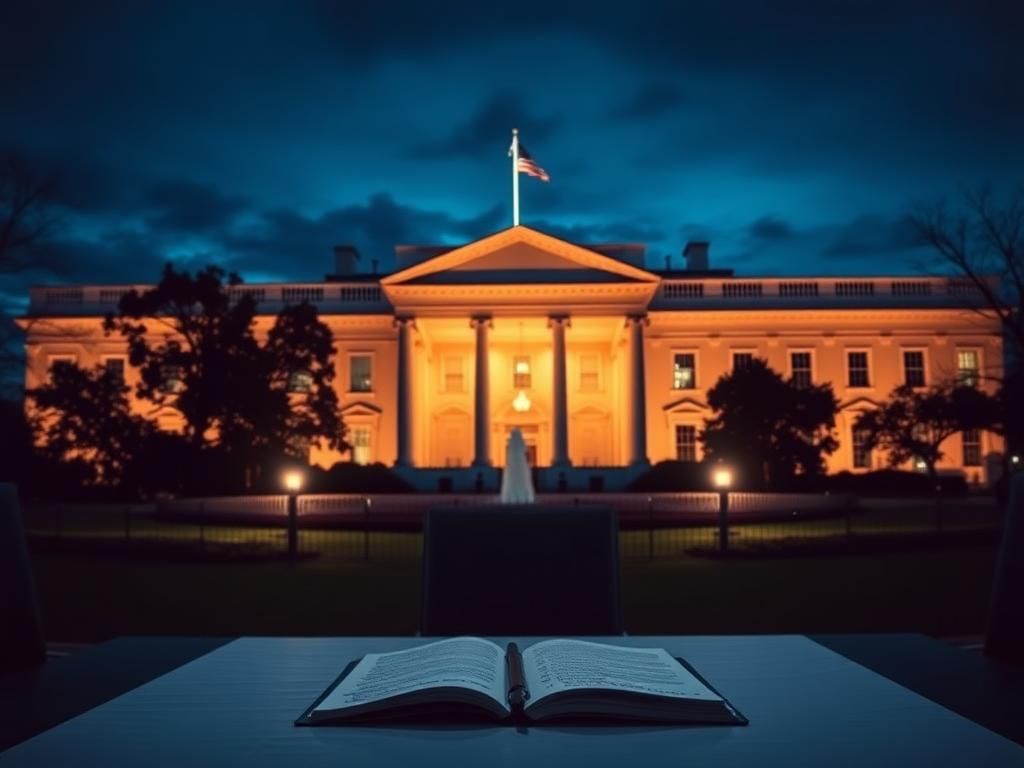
x,y
516,482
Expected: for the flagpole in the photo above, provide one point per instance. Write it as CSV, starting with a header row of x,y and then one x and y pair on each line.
x,y
514,151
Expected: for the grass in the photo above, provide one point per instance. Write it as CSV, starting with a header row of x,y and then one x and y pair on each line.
x,y
934,585
881,570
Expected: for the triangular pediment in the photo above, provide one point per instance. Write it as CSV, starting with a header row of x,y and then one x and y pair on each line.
x,y
686,404
519,255
860,404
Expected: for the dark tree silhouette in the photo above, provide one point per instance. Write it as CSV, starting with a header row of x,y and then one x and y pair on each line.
x,y
769,427
25,216
982,240
82,417
913,424
244,404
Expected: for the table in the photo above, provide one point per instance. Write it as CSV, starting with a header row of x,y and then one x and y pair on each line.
x,y
235,701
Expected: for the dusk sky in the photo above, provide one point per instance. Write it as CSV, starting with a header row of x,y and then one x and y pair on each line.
x,y
797,137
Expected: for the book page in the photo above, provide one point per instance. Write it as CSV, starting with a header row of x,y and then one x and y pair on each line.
x,y
462,662
554,666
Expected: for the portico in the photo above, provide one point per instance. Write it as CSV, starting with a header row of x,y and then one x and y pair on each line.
x,y
521,329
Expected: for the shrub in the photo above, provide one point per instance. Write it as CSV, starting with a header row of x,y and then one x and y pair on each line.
x,y
348,477
673,476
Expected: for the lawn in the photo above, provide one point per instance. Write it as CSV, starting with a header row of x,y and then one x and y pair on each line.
x,y
939,588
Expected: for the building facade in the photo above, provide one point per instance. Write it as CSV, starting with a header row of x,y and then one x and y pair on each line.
x,y
602,363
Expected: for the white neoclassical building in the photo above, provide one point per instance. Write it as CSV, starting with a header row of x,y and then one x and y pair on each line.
x,y
602,363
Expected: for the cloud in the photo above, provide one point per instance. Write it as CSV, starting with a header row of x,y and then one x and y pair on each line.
x,y
491,123
285,241
191,207
869,235
651,101
612,232
770,228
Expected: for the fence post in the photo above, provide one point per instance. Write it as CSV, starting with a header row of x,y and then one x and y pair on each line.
x,y
366,528
723,521
293,525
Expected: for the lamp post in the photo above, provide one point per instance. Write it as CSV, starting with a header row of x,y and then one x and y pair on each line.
x,y
721,477
293,479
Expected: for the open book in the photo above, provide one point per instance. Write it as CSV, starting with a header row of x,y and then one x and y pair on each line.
x,y
469,676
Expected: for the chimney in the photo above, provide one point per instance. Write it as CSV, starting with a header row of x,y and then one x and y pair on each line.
x,y
696,255
345,259
668,262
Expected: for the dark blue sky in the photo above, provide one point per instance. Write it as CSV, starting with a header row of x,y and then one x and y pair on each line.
x,y
797,137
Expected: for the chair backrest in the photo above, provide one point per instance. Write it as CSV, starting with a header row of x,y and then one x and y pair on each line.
x,y
1004,639
21,634
521,570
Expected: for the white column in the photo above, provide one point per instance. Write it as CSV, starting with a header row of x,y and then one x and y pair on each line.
x,y
560,419
404,452
637,390
481,396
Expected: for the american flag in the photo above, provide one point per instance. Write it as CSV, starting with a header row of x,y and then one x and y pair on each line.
x,y
529,167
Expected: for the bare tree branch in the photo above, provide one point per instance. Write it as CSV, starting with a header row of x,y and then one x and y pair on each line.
x,y
25,214
985,244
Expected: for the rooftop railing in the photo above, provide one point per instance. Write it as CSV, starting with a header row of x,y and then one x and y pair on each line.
x,y
696,293
90,300
702,293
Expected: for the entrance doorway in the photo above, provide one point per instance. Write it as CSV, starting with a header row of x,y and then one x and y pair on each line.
x,y
530,434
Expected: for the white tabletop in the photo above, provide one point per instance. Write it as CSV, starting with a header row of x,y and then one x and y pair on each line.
x,y
807,706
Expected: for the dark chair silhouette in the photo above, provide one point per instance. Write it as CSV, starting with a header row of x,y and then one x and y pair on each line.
x,y
21,634
1004,639
521,570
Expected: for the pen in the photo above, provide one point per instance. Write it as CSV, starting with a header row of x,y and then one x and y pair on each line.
x,y
517,692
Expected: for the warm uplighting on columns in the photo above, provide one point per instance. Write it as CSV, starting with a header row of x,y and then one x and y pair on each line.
x,y
721,477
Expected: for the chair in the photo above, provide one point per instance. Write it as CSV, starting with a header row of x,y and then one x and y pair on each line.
x,y
521,570
1004,638
21,634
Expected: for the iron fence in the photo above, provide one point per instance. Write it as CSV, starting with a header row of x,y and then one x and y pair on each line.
x,y
360,527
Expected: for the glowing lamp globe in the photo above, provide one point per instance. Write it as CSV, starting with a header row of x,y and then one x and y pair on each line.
x,y
521,403
722,477
293,480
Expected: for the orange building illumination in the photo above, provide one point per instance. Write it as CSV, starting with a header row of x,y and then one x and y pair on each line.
x,y
603,364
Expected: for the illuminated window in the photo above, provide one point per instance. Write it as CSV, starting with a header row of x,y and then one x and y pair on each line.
x,y
589,373
521,378
172,379
861,449
114,366
300,381
967,367
742,360
913,368
453,374
361,445
972,447
800,369
360,373
857,369
686,442
684,371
